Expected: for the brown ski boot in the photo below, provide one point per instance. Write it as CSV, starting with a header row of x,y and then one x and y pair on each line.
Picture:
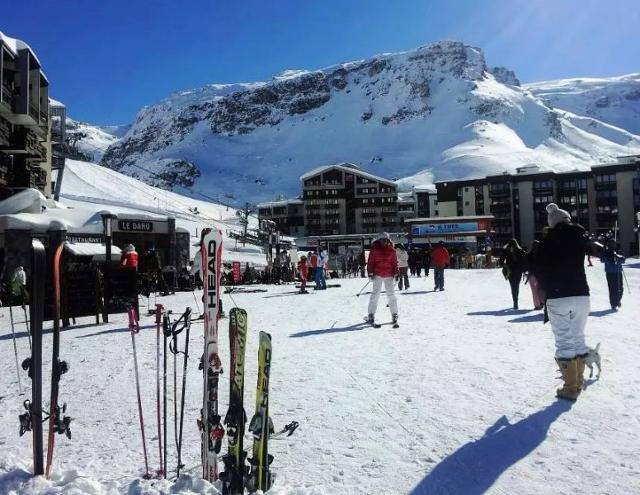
x,y
569,370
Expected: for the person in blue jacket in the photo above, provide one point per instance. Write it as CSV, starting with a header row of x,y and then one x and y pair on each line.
x,y
613,269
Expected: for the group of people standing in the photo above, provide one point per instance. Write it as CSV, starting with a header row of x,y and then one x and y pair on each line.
x,y
554,267
313,267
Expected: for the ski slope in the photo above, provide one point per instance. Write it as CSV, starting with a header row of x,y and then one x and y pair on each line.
x,y
459,400
86,184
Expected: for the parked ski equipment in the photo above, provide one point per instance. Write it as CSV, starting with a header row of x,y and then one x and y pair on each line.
x,y
166,331
182,323
236,418
32,419
212,431
158,313
58,423
134,328
261,426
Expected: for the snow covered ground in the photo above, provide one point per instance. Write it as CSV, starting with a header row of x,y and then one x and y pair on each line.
x,y
459,400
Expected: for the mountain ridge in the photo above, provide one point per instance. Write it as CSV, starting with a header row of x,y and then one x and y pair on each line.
x,y
435,112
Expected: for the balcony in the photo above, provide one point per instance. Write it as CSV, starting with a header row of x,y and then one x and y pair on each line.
x,y
6,100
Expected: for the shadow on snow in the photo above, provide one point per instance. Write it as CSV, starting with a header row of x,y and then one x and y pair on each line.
x,y
322,331
114,330
500,312
474,467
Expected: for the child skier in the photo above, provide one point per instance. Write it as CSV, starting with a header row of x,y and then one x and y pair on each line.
x,y
303,269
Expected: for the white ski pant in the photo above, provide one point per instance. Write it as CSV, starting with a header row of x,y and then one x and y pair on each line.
x,y
388,282
568,317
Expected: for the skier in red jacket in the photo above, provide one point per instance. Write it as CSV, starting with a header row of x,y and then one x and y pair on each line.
x,y
382,268
129,257
439,261
303,270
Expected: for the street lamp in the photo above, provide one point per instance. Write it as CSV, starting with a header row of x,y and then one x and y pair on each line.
x,y
107,220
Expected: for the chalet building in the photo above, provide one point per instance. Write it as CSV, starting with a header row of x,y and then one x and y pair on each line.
x,y
343,199
24,120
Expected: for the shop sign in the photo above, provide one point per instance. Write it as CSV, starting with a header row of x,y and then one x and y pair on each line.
x,y
237,275
443,228
135,226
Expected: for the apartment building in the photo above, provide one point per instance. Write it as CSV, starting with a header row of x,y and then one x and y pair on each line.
x,y
343,199
602,199
24,120
58,118
288,215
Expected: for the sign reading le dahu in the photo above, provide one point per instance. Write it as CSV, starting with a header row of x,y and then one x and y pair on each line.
x,y
135,226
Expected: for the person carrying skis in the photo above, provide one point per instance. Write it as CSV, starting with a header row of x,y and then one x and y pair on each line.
x,y
403,266
303,268
382,268
129,257
512,262
439,260
559,266
614,272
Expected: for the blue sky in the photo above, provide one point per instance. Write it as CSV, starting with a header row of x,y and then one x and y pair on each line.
x,y
106,59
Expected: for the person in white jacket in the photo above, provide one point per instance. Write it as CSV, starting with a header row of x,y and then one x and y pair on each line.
x,y
403,266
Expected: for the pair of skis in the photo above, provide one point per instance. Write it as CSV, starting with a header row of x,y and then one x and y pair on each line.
x,y
237,474
34,416
257,475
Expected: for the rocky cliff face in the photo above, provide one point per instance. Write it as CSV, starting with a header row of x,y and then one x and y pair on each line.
x,y
434,111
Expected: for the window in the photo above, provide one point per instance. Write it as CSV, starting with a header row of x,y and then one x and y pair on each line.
x,y
605,179
466,203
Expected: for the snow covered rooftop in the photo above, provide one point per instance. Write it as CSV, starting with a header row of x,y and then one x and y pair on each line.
x,y
56,103
347,167
14,44
282,202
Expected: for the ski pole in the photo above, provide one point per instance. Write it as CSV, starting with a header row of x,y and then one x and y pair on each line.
x,y
26,322
15,351
166,332
196,300
626,282
187,326
134,327
159,309
365,286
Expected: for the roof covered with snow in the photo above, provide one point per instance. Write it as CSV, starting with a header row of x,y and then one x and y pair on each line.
x,y
347,167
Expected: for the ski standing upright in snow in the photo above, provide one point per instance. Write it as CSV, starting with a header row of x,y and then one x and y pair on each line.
x,y
236,418
58,423
261,426
134,328
212,431
33,418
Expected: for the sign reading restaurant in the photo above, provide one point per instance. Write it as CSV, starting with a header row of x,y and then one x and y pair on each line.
x,y
135,226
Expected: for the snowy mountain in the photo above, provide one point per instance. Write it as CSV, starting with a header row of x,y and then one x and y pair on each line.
x,y
434,112
614,100
89,142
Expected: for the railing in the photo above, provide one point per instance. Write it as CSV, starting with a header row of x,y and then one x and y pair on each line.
x,y
6,96
33,111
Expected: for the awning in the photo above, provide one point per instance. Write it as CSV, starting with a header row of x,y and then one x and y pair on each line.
x,y
96,251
